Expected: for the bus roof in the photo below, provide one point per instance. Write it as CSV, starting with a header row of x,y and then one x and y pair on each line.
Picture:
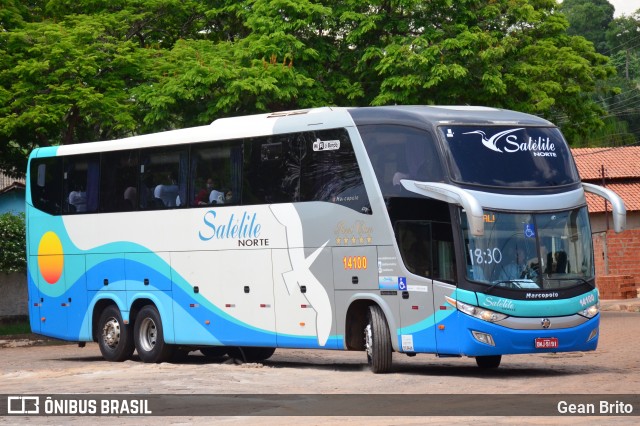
x,y
315,118
444,114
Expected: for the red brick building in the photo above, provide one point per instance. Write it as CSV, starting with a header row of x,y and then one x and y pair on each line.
x,y
617,256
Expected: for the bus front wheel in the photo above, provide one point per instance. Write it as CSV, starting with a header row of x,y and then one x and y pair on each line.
x,y
488,361
149,336
377,341
115,339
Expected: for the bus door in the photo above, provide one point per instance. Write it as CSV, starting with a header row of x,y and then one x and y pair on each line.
x,y
415,240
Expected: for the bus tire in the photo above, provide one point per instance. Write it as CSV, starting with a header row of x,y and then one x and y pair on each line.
x,y
115,338
488,361
377,341
149,336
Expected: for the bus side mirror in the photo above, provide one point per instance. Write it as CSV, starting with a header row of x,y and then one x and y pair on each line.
x,y
619,211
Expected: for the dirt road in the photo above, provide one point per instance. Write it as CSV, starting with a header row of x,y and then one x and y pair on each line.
x,y
613,369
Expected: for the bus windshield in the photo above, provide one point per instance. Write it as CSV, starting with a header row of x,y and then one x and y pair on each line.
x,y
526,156
531,251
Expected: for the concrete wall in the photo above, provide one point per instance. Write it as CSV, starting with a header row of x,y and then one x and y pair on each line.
x,y
14,297
599,222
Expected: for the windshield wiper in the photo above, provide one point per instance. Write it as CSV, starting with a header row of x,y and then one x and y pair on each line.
x,y
500,282
547,278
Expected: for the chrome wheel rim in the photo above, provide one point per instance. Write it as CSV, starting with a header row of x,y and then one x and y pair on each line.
x,y
111,333
148,334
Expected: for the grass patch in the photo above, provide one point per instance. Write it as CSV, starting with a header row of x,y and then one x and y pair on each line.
x,y
12,328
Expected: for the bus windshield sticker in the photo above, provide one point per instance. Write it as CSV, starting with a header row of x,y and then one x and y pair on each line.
x,y
326,145
529,230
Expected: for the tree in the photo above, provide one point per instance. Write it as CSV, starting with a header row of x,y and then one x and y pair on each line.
x,y
273,64
514,55
621,38
78,71
67,82
589,19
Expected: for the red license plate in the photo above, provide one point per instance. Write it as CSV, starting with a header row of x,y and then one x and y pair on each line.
x,y
547,343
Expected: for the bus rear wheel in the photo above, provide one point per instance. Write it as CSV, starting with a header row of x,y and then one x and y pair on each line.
x,y
377,341
488,361
115,339
149,336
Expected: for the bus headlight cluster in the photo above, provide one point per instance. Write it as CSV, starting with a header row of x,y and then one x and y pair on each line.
x,y
475,311
591,311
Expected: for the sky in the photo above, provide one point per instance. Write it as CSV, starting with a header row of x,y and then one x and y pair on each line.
x,y
626,7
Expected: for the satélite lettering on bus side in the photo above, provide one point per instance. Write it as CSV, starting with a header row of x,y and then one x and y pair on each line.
x,y
242,228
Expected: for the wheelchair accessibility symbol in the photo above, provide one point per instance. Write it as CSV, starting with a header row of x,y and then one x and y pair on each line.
x,y
529,230
402,283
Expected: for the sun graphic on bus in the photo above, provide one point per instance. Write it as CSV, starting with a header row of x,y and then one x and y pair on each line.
x,y
50,257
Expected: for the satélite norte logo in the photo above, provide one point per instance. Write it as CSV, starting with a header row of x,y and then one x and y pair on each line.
x,y
244,229
539,147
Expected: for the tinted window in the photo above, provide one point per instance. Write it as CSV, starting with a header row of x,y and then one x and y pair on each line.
x,y
309,166
46,184
163,178
272,169
509,156
119,183
81,184
330,171
216,173
427,248
401,152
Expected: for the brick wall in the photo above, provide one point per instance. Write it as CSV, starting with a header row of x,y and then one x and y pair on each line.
x,y
617,287
620,254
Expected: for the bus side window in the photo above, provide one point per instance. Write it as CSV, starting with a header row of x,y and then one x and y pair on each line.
x,y
272,169
46,184
330,172
163,178
118,181
216,167
414,241
81,184
401,152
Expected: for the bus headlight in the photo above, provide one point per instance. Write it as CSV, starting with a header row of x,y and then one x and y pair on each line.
x,y
475,311
591,311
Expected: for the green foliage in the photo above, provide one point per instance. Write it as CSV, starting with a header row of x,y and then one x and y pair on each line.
x,y
13,250
13,328
617,38
76,71
589,19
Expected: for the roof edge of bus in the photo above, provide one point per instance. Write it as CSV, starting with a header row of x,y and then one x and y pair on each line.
x,y
449,114
278,114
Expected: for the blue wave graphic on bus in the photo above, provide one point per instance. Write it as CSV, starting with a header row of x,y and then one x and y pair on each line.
x,y
180,308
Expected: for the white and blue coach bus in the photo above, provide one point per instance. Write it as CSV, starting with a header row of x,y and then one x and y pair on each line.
x,y
455,231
